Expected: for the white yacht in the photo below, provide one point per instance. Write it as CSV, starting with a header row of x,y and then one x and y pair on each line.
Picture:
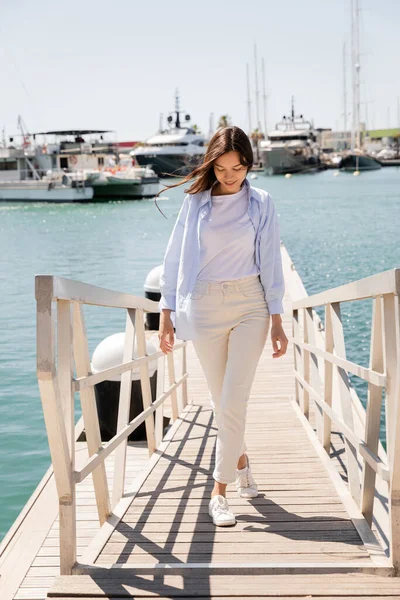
x,y
174,151
291,147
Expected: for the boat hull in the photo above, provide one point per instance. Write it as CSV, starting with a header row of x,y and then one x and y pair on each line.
x,y
42,193
170,165
125,190
362,162
280,161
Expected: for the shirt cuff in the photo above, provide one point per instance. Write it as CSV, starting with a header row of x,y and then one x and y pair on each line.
x,y
275,307
167,302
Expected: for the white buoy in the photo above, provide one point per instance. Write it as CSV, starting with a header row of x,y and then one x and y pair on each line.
x,y
336,173
288,175
110,352
356,173
152,282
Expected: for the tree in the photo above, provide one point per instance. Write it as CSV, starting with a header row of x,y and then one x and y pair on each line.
x,y
224,121
257,135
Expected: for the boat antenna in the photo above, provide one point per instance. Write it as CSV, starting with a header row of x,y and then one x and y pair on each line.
x,y
293,111
177,111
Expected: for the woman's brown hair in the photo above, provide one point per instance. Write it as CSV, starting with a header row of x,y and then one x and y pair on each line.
x,y
226,139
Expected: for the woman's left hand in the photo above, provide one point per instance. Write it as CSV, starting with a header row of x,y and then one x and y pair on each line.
x,y
278,335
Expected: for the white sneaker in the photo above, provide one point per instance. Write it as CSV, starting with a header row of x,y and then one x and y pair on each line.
x,y
220,512
245,485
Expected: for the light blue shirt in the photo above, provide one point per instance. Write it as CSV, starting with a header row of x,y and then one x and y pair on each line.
x,y
182,256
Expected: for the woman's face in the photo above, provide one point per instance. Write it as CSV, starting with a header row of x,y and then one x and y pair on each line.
x,y
229,172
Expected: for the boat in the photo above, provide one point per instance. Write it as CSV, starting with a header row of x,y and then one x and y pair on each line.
x,y
122,181
21,181
174,151
75,165
357,158
291,147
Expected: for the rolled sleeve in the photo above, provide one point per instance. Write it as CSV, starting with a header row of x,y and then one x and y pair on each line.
x,y
271,269
169,302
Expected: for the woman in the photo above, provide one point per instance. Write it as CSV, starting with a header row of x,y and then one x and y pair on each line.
x,y
222,283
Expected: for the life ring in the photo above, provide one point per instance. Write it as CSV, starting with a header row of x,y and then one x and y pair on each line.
x,y
73,160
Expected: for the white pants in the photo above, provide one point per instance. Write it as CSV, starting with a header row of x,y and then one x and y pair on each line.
x,y
231,319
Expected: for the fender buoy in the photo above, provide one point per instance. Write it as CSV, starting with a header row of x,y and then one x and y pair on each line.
x,y
73,160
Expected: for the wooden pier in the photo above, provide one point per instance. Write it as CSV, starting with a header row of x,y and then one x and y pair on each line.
x,y
130,520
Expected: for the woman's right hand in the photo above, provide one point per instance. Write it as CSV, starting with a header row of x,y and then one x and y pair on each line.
x,y
166,332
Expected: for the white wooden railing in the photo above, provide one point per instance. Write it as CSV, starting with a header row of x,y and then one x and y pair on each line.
x,y
321,374
61,344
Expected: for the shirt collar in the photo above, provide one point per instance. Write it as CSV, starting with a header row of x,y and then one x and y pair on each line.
x,y
205,196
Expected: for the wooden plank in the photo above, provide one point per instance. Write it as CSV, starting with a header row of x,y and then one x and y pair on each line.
x,y
122,584
292,597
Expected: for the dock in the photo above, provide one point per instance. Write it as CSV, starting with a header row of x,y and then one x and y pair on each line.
x,y
125,519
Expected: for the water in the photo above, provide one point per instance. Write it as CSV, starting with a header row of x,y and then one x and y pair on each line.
x,y
336,229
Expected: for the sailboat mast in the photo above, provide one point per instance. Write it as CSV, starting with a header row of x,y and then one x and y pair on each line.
x,y
353,84
264,97
257,91
248,96
344,90
357,73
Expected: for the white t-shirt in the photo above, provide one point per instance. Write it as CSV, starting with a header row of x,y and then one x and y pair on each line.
x,y
227,241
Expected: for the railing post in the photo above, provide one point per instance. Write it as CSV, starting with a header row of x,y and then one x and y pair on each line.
x,y
145,378
124,409
391,327
159,425
89,412
53,413
328,381
184,370
298,359
314,370
373,412
346,403
171,377
65,369
306,367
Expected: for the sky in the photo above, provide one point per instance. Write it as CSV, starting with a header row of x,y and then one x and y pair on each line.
x,y
85,64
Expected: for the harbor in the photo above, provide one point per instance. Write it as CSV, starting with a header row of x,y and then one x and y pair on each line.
x,y
348,251
107,444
